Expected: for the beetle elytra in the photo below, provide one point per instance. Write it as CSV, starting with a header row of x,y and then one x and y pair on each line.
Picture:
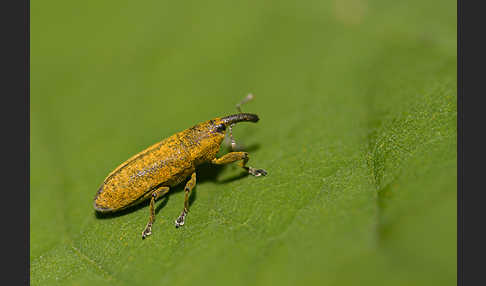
x,y
152,172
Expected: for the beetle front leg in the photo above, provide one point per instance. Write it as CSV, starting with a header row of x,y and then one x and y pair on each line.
x,y
236,156
187,189
155,195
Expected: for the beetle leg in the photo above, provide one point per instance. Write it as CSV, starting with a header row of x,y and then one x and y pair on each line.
x,y
155,195
236,156
187,189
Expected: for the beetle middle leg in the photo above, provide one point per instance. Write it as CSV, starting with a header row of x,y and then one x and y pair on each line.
x,y
187,189
155,195
236,156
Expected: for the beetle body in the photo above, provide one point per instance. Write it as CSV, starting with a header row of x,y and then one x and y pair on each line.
x,y
167,164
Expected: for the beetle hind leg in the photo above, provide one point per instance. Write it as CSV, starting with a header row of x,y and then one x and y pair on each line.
x,y
187,189
155,195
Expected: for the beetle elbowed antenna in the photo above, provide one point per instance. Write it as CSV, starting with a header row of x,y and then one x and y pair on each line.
x,y
232,119
245,100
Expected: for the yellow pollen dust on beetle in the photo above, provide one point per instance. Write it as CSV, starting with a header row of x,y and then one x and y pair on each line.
x,y
152,172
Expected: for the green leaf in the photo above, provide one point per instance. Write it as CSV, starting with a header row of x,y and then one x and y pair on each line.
x,y
357,101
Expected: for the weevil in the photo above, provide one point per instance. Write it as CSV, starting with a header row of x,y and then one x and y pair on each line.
x,y
151,173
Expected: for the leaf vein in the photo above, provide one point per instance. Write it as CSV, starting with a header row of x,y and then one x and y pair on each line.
x,y
92,262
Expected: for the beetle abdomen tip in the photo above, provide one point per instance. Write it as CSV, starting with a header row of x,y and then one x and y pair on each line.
x,y
101,209
98,207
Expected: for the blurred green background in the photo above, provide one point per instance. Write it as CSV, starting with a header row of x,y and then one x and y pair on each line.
x,y
357,101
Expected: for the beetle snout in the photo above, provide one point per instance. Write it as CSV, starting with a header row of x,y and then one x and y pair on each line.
x,y
240,117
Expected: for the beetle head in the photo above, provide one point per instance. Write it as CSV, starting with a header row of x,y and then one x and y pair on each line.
x,y
218,126
206,137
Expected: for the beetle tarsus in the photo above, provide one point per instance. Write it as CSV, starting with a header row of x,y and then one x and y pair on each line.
x,y
147,231
257,172
180,220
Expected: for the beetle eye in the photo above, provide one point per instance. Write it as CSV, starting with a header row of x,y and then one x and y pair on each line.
x,y
220,128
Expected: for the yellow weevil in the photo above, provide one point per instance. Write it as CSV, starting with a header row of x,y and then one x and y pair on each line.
x,y
151,173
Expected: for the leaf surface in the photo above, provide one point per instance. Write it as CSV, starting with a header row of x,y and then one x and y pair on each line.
x,y
357,101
